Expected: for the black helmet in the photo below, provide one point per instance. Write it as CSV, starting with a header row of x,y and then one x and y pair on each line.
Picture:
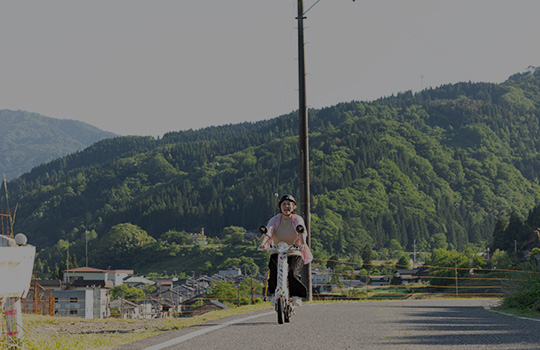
x,y
286,197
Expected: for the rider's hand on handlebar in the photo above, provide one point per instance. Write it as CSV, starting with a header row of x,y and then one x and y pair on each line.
x,y
264,242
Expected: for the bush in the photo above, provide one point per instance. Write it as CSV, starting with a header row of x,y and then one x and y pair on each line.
x,y
524,295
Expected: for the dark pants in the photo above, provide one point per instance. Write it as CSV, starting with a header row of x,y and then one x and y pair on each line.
x,y
296,287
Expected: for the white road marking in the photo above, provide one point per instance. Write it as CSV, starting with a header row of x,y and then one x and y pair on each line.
x,y
505,314
191,335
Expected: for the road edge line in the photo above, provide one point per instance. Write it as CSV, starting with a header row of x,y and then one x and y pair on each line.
x,y
191,335
507,314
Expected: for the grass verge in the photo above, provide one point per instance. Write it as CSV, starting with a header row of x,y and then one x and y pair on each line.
x,y
63,333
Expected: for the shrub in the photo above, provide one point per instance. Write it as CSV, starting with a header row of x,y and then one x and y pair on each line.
x,y
524,295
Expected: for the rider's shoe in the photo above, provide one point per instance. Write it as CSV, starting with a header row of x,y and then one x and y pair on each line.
x,y
297,301
273,300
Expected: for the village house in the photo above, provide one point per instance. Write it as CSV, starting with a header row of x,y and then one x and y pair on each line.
x,y
352,284
378,281
231,272
190,309
138,281
85,292
199,238
116,277
406,276
320,279
89,303
126,309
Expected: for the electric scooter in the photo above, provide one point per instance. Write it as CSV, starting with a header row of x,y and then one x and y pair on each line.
x,y
284,308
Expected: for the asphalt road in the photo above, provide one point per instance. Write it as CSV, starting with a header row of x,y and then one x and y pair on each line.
x,y
396,325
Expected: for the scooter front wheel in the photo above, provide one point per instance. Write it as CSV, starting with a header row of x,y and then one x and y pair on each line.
x,y
280,310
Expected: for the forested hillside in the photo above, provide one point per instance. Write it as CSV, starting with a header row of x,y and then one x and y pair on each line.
x,y
445,163
30,139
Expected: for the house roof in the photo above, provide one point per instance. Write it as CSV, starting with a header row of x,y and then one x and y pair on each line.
x,y
165,283
192,300
138,279
50,283
384,277
122,302
129,272
85,269
351,283
184,287
93,283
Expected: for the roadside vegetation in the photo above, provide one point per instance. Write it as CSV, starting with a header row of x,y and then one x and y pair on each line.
x,y
523,296
73,333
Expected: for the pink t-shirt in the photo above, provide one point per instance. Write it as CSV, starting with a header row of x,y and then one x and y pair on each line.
x,y
286,233
273,225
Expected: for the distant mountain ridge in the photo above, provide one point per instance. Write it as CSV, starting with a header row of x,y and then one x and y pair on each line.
x,y
422,171
30,139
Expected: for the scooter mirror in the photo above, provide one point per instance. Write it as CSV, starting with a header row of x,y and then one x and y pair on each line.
x,y
263,230
300,229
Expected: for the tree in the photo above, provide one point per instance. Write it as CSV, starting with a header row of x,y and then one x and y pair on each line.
x,y
207,267
230,262
230,230
247,264
395,249
234,239
332,262
229,294
129,293
476,259
172,236
367,256
73,264
445,265
403,263
252,286
438,241
56,275
119,247
501,260
514,232
534,256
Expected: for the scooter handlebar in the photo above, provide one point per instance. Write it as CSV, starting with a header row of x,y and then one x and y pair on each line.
x,y
273,248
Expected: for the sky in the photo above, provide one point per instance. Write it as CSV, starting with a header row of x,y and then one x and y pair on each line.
x,y
149,67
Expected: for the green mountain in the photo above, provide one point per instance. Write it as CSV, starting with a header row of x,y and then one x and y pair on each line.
x,y
442,164
30,139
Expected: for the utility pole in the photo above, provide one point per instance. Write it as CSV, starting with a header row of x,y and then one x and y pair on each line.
x,y
304,145
414,256
86,236
456,279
